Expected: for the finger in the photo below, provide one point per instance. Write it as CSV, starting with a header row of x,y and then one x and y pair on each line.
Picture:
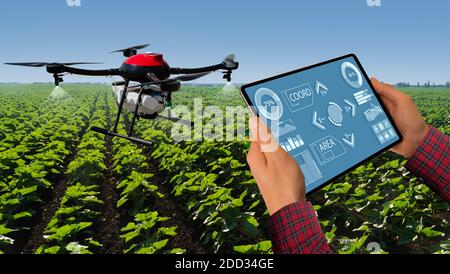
x,y
273,152
255,158
259,131
267,142
390,96
253,125
386,91
255,154
264,133
379,87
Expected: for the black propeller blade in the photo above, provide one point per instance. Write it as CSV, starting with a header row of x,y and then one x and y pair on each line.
x,y
80,63
35,64
43,64
131,48
230,62
128,52
230,58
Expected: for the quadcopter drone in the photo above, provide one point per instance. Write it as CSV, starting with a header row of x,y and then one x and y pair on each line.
x,y
153,92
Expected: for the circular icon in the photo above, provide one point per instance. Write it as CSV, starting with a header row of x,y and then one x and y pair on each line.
x,y
351,75
269,104
335,114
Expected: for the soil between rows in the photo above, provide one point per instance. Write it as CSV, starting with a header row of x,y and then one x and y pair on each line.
x,y
109,223
187,237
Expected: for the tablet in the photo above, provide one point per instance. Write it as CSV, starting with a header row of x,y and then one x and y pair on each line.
x,y
327,116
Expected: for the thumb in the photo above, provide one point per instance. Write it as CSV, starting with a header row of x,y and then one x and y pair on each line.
x,y
379,87
384,90
255,156
253,125
260,133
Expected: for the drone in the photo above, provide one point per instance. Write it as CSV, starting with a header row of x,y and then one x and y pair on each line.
x,y
146,89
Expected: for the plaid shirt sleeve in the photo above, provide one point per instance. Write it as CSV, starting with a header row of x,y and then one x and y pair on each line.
x,y
295,229
431,162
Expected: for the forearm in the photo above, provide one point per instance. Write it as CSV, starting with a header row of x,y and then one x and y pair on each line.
x,y
431,162
295,229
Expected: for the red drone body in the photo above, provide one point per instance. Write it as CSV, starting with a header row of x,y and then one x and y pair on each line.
x,y
146,60
146,67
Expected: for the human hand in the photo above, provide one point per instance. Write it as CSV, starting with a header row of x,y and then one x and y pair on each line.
x,y
277,174
406,116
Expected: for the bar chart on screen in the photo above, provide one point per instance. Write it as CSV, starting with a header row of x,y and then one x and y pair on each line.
x,y
292,143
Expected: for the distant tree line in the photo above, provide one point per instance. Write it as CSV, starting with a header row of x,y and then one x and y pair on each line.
x,y
403,84
427,84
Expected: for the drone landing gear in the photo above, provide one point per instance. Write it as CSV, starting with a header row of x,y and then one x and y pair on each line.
x,y
136,109
122,101
176,120
113,133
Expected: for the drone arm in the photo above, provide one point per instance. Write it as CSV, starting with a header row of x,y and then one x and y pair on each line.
x,y
197,70
66,69
228,66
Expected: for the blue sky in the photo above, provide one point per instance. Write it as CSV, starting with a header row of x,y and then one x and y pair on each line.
x,y
402,40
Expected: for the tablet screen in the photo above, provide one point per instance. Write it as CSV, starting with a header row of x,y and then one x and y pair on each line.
x,y
326,116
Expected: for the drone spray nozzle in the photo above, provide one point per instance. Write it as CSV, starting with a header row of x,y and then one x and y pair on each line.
x,y
58,79
227,75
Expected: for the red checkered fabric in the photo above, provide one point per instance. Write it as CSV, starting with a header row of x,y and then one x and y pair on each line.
x,y
296,229
431,162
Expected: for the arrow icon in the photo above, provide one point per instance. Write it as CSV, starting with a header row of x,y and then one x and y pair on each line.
x,y
315,123
353,106
349,140
321,88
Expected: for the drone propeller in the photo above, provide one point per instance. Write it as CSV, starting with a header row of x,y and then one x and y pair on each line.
x,y
230,59
43,64
131,48
128,52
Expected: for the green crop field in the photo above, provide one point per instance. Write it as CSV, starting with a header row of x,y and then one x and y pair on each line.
x,y
64,189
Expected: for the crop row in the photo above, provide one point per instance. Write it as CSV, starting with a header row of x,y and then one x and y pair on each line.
x,y
144,231
71,230
20,115
27,171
